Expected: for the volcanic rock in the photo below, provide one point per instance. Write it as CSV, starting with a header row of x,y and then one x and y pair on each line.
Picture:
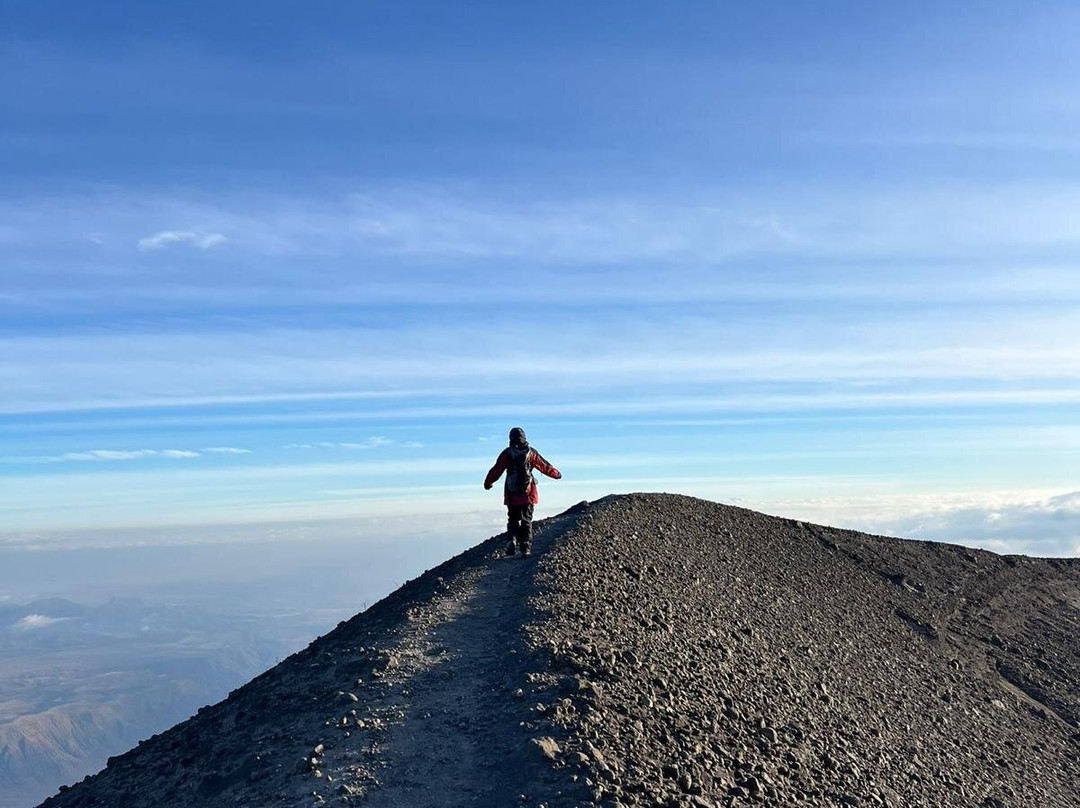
x,y
658,650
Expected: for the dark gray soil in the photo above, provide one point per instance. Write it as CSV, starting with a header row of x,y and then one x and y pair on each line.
x,y
659,650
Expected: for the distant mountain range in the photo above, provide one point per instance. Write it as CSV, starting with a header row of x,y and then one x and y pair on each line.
x,y
79,683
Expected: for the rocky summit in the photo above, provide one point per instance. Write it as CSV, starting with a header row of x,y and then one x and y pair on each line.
x,y
658,650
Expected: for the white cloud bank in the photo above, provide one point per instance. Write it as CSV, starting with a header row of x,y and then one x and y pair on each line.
x,y
1047,526
170,238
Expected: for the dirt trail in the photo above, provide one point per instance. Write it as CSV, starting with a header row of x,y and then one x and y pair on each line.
x,y
454,726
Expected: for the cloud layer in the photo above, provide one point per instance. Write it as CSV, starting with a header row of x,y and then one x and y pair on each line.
x,y
1044,527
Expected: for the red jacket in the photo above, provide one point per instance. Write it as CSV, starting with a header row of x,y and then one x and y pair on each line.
x,y
502,462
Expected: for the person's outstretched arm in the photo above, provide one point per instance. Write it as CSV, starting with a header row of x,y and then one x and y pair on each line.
x,y
501,463
541,465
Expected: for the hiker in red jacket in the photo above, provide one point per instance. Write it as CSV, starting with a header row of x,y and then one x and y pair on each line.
x,y
520,494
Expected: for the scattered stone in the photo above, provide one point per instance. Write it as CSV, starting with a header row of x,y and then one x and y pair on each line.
x,y
548,747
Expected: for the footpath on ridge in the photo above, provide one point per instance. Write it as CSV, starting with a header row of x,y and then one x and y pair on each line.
x,y
659,650
451,703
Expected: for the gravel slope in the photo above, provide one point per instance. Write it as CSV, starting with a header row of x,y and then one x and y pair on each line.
x,y
734,658
659,650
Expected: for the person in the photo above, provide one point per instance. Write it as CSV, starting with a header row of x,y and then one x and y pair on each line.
x,y
519,492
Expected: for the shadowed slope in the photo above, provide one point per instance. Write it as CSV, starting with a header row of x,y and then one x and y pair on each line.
x,y
658,650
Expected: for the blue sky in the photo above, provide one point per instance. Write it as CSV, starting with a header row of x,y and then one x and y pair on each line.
x,y
299,263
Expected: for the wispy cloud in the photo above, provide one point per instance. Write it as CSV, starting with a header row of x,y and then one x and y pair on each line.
x,y
976,350
375,442
105,454
135,454
708,226
119,455
630,407
905,225
225,450
171,238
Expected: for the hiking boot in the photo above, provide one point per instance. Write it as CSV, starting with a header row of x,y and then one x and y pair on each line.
x,y
511,549
525,551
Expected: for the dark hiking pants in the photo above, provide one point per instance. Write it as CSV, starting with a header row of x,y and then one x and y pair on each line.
x,y
519,525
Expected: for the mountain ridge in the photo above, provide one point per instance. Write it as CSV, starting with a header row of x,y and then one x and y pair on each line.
x,y
658,650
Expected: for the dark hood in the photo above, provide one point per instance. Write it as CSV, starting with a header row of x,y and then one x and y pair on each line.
x,y
517,437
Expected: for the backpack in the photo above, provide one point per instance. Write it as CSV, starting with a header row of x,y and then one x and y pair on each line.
x,y
519,471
